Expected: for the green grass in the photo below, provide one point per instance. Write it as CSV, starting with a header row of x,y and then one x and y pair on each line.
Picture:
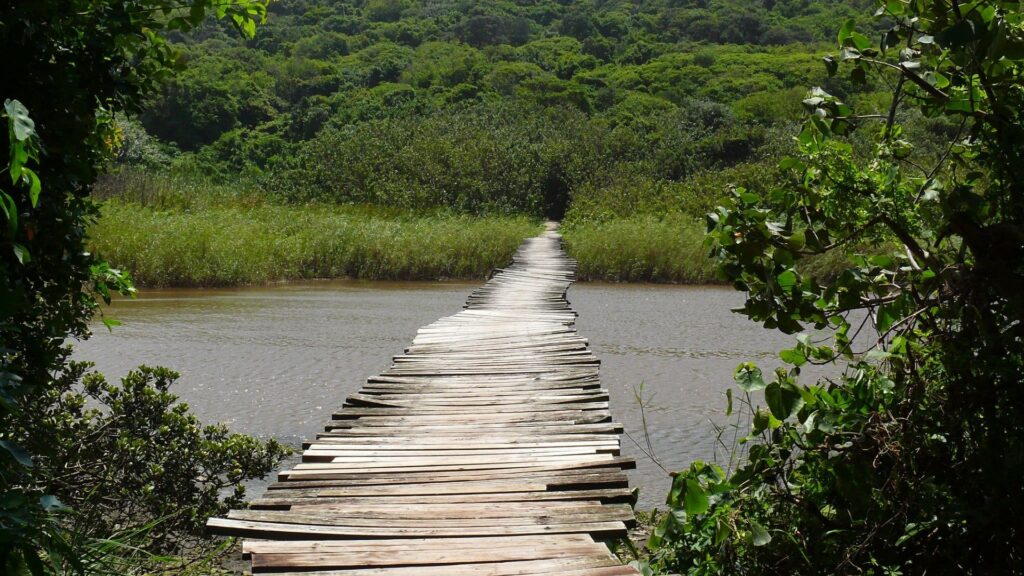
x,y
640,248
182,230
237,244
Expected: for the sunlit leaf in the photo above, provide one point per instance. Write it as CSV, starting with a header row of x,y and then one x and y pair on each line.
x,y
695,499
787,279
21,253
784,399
749,377
793,356
35,186
21,124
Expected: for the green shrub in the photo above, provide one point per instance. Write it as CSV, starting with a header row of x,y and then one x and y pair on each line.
x,y
499,159
128,461
906,457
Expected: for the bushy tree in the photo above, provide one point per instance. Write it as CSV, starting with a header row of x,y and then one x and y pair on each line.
x,y
909,459
509,159
130,455
77,63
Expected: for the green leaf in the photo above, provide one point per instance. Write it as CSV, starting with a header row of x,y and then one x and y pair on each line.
x,y
859,74
35,186
763,420
696,499
17,453
245,25
758,535
885,317
21,253
831,65
676,491
10,210
957,36
846,31
32,560
722,531
860,41
728,398
51,503
179,23
784,400
881,260
810,421
20,123
793,356
877,355
912,529
797,240
790,163
658,534
749,377
9,383
110,323
787,279
19,156
197,13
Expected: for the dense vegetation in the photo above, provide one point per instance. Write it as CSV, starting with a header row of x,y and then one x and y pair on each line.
x,y
587,111
184,232
909,461
352,72
358,137
95,478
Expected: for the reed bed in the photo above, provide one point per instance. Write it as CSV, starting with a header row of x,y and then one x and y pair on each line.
x,y
641,248
238,244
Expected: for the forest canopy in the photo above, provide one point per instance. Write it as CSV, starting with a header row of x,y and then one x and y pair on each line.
x,y
390,84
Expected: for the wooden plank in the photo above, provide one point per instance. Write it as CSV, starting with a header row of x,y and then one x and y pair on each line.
x,y
284,530
588,566
605,495
410,544
341,559
325,516
487,448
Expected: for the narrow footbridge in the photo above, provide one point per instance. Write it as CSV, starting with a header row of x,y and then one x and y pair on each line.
x,y
486,449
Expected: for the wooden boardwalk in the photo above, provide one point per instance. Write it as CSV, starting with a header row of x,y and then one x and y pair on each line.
x,y
486,449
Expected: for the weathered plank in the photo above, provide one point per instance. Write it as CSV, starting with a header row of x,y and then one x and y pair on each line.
x,y
487,448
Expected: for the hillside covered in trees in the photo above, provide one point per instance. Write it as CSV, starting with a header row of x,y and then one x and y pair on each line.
x,y
628,121
513,107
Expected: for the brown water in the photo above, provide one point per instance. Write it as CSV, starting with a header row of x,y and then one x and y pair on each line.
x,y
276,361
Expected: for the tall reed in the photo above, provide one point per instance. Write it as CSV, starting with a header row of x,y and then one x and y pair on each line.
x,y
238,244
640,248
